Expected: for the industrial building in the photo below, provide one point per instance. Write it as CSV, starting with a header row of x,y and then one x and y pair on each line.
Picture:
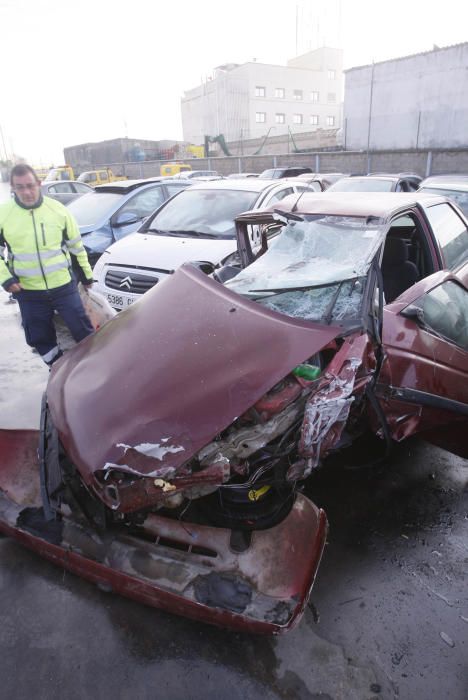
x,y
122,150
418,101
250,100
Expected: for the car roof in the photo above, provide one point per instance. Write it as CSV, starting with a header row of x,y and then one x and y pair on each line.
x,y
49,183
124,186
363,204
246,184
446,182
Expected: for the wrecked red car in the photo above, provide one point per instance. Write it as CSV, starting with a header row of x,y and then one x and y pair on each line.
x,y
175,441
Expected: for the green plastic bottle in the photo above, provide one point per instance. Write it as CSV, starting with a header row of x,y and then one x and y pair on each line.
x,y
306,371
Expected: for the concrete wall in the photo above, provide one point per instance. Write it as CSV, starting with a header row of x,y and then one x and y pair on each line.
x,y
422,162
418,101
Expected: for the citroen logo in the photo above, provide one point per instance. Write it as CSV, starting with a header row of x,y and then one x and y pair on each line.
x,y
126,282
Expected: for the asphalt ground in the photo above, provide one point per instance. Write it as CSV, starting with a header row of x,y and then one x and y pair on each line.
x,y
388,616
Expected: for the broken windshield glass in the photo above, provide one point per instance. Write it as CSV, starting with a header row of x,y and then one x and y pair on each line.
x,y
314,269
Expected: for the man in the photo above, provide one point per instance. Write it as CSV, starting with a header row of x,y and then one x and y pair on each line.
x,y
44,245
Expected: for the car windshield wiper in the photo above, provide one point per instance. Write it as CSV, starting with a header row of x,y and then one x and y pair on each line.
x,y
304,288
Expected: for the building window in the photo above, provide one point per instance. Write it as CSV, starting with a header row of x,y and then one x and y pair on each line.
x,y
259,91
297,118
280,118
331,74
330,121
260,117
331,97
279,93
314,119
314,96
297,94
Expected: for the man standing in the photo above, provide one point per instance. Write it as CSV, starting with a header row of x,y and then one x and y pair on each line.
x,y
44,245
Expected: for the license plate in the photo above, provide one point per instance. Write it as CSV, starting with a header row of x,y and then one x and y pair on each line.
x,y
119,301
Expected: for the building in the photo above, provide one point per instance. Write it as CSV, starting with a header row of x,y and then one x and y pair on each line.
x,y
418,101
123,150
249,100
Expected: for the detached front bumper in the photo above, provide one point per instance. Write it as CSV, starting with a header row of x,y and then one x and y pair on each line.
x,y
205,573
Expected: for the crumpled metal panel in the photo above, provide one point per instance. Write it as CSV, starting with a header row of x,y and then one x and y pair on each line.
x,y
162,379
185,568
327,409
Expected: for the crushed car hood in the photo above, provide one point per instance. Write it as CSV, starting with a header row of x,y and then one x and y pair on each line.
x,y
167,252
168,374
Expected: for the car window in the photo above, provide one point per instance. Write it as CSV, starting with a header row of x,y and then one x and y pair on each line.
x,y
445,311
94,207
173,189
312,185
103,176
450,231
278,196
83,189
61,187
459,197
144,203
208,212
362,185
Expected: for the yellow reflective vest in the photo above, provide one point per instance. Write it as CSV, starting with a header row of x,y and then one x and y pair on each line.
x,y
42,244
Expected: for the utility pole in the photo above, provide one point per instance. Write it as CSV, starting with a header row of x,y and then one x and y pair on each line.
x,y
370,115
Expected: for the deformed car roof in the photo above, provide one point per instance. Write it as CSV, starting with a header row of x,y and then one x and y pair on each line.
x,y
382,205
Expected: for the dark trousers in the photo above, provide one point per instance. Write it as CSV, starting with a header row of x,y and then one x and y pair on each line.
x,y
37,313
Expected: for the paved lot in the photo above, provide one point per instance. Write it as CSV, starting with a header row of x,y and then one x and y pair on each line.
x,y
388,616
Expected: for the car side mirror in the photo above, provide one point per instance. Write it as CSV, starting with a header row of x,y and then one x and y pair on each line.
x,y
416,314
125,219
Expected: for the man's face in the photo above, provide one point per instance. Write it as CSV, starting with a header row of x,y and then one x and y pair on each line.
x,y
26,188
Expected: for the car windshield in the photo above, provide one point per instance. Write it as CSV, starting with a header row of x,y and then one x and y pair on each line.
x,y
314,269
203,213
92,208
459,197
364,184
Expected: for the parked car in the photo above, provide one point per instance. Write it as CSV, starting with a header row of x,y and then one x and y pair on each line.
x,y
198,224
285,171
195,174
453,186
65,191
113,211
320,182
382,182
239,176
103,176
213,403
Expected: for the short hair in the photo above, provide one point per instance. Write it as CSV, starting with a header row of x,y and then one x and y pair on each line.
x,y
20,170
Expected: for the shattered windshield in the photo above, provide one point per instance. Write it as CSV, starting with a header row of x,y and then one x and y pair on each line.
x,y
314,269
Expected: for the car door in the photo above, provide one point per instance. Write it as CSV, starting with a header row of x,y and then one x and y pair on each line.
x,y
423,381
138,207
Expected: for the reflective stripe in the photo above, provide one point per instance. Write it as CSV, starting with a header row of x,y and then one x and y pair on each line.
x,y
45,254
36,271
49,356
76,250
71,242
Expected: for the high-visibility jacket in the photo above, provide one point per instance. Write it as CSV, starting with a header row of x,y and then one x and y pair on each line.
x,y
42,243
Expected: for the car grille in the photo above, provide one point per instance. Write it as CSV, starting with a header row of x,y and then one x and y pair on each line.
x,y
129,281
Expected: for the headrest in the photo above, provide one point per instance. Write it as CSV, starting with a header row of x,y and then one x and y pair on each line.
x,y
395,252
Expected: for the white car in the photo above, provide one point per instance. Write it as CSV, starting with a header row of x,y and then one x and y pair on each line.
x,y
196,225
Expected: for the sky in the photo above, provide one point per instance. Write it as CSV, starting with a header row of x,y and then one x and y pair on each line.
x,y
75,71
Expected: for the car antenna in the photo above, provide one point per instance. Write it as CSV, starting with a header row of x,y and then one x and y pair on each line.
x,y
294,208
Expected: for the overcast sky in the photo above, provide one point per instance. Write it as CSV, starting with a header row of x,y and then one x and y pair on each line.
x,y
73,71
